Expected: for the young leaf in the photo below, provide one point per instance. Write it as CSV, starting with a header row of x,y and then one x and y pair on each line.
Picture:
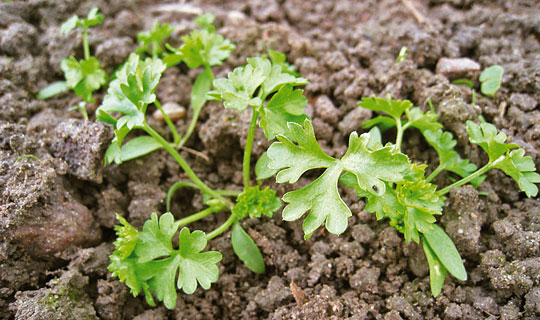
x,y
158,263
201,87
422,120
449,159
138,147
131,92
152,41
280,59
69,25
383,122
246,249
262,171
491,80
521,168
486,136
287,105
255,203
437,271
446,251
52,90
394,108
83,77
127,237
321,198
94,18
203,48
206,21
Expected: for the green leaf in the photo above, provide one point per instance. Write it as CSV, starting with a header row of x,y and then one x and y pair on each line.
x,y
372,168
126,237
138,147
422,121
84,77
280,59
522,169
465,82
255,203
52,90
294,160
274,77
394,108
446,251
287,105
152,41
237,91
246,249
206,21
262,171
486,136
449,159
69,25
158,264
125,269
383,122
201,87
491,80
437,271
93,19
202,47
131,92
321,198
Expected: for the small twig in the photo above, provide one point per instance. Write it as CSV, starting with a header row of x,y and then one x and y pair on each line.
x,y
418,16
195,152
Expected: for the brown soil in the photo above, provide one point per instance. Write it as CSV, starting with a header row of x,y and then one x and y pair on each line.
x,y
57,213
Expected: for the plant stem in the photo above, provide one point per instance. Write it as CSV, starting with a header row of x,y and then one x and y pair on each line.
x,y
470,177
222,228
435,173
249,146
196,216
185,166
400,130
169,122
86,46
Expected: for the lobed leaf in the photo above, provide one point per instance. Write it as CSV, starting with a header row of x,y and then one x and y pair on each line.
x,y
522,169
422,120
280,59
152,41
394,108
203,48
206,21
84,77
486,136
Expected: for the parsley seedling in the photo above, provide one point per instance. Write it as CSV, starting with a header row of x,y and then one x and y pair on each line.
x,y
82,76
491,80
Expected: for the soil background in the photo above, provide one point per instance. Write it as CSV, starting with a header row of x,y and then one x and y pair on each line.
x,y
57,213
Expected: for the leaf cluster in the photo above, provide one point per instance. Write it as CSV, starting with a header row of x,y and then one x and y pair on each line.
x,y
146,260
93,19
151,42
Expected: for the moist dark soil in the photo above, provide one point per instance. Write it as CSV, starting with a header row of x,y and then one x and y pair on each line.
x,y
57,211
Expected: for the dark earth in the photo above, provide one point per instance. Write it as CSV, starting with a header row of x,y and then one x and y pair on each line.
x,y
57,211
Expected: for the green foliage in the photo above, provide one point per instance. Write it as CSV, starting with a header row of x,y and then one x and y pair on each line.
x,y
206,21
246,249
256,203
321,198
93,19
129,95
201,48
151,42
265,78
52,90
505,156
280,59
491,80
83,77
147,261
402,54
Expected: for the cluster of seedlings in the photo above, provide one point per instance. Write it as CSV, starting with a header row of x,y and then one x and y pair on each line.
x,y
394,188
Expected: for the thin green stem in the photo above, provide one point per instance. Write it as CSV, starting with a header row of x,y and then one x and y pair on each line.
x,y
435,173
400,130
185,166
86,46
470,177
247,150
197,216
173,189
176,136
222,228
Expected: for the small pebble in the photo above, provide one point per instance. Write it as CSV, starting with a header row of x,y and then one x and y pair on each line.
x,y
173,110
456,67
